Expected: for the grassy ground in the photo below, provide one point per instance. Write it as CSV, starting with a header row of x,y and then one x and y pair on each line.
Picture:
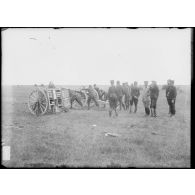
x,y
70,139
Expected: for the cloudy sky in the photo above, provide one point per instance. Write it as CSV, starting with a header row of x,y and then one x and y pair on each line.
x,y
87,56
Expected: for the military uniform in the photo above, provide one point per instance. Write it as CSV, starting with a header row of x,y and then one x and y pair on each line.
x,y
127,93
92,96
154,93
74,97
146,100
119,92
171,94
112,97
135,93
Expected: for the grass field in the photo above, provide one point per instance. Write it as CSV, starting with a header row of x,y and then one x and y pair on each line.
x,y
71,139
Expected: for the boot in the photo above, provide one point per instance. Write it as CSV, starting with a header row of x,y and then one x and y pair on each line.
x,y
155,112
148,111
151,112
110,113
130,109
135,109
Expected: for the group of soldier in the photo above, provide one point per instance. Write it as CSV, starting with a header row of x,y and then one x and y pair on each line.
x,y
126,96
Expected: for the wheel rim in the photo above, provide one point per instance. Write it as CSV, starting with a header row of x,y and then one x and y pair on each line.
x,y
37,102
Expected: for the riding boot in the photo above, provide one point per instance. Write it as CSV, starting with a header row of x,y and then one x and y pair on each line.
x,y
135,109
151,112
155,112
148,111
110,113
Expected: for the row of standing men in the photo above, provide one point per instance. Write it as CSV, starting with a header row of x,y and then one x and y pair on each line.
x,y
127,96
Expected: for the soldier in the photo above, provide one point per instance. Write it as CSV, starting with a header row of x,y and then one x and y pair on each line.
x,y
167,89
127,93
74,97
171,97
91,96
112,96
154,93
96,88
146,98
119,91
135,93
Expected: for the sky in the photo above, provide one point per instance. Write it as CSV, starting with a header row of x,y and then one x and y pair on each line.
x,y
83,56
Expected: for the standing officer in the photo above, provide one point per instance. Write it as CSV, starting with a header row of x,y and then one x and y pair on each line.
x,y
146,98
119,91
112,96
135,93
154,93
126,91
171,97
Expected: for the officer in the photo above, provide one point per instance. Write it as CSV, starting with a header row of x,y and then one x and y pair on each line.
x,y
146,98
119,91
135,93
112,97
171,97
154,93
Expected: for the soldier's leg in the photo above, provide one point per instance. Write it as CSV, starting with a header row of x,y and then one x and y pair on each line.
x,y
115,106
155,101
110,109
88,102
151,108
131,103
79,102
120,102
135,102
169,105
174,107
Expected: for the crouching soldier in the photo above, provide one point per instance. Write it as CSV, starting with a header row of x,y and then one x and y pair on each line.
x,y
154,93
171,97
146,98
74,97
92,96
135,93
112,97
119,91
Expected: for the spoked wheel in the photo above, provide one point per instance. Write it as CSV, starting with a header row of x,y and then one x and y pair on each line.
x,y
83,98
38,102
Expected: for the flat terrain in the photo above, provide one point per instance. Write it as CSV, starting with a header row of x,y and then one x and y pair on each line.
x,y
78,138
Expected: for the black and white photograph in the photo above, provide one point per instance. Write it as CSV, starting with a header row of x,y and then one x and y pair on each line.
x,y
96,97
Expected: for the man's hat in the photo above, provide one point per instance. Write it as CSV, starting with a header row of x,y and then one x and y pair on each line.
x,y
112,81
145,81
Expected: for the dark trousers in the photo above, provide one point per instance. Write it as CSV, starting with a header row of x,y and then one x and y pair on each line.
x,y
127,101
135,102
147,111
153,103
171,103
